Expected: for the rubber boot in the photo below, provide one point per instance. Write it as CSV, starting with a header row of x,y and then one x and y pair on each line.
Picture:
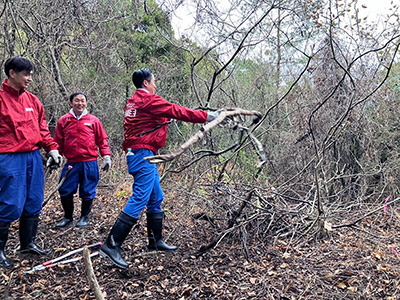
x,y
85,211
154,232
68,207
4,261
117,236
27,236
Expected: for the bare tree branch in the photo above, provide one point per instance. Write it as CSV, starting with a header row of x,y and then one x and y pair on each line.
x,y
200,134
94,285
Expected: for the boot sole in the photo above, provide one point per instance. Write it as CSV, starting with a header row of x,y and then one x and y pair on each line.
x,y
105,255
160,250
81,225
34,251
63,225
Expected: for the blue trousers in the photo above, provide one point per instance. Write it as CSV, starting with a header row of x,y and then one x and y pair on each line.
x,y
85,174
146,190
21,185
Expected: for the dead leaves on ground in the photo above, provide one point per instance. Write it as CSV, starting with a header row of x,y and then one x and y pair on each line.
x,y
349,264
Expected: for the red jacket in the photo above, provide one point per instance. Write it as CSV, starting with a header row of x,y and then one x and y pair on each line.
x,y
145,111
23,125
79,140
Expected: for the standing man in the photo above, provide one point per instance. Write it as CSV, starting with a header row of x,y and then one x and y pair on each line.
x,y
79,136
146,119
23,130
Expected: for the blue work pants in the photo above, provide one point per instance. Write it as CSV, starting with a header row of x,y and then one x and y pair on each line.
x,y
21,185
146,190
85,174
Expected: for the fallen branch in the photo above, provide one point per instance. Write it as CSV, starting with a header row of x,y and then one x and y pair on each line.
x,y
231,223
364,216
94,286
200,134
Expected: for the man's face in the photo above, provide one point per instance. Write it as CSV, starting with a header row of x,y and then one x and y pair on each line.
x,y
78,104
150,85
20,80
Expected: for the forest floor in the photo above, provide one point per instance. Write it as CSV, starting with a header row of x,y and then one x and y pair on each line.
x,y
350,263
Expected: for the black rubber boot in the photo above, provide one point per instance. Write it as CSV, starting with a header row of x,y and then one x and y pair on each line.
x,y
154,232
68,207
117,236
85,211
4,261
27,235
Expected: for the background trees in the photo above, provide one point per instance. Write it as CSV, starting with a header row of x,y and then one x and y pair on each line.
x,y
318,72
325,80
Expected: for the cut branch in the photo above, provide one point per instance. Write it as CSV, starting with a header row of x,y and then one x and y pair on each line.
x,y
200,134
94,285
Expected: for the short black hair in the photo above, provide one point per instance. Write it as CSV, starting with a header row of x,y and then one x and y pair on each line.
x,y
141,75
18,64
73,95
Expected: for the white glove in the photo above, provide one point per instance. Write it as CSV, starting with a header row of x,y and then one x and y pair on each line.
x,y
106,165
55,159
211,116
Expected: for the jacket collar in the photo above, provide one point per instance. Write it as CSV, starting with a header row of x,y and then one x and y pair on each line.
x,y
142,89
85,112
10,90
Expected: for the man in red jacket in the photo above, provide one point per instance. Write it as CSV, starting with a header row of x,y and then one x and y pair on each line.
x,y
79,136
23,130
146,116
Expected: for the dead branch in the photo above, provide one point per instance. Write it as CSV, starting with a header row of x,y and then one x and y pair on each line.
x,y
261,151
94,285
231,223
205,217
364,216
200,134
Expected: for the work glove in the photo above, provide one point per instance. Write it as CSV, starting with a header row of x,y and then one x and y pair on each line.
x,y
55,159
211,116
106,165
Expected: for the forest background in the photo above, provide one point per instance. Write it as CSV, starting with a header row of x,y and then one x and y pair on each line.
x,y
323,156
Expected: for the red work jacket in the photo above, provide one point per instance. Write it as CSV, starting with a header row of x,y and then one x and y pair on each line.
x,y
145,111
23,126
80,140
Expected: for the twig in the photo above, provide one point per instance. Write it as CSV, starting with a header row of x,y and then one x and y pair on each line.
x,y
203,216
244,242
366,215
94,286
365,231
231,224
4,8
7,289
